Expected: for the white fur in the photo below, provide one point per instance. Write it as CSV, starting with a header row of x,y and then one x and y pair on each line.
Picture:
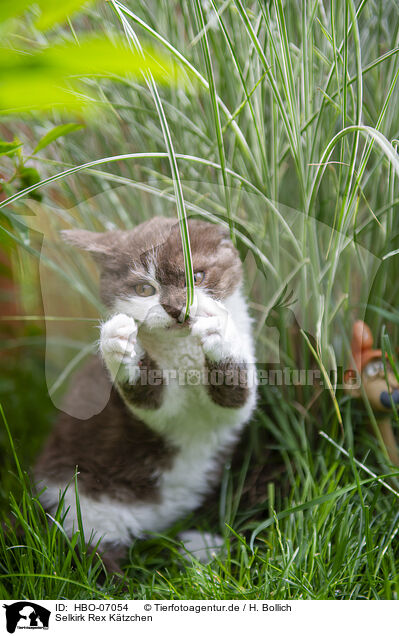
x,y
188,418
145,310
182,490
119,347
204,546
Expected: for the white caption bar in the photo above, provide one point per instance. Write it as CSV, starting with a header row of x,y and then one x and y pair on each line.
x,y
153,617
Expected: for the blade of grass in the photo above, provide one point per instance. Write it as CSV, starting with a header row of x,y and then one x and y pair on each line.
x,y
181,210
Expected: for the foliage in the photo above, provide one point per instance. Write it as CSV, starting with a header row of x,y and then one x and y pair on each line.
x,y
284,128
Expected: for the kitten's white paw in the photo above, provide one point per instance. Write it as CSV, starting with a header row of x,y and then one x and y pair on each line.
x,y
119,346
217,333
204,546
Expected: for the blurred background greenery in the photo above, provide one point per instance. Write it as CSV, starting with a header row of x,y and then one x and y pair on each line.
x,y
278,119
47,74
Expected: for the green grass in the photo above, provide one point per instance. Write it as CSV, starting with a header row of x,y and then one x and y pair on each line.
x,y
285,130
332,535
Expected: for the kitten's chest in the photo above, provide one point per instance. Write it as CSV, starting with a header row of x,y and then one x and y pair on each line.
x,y
173,350
186,406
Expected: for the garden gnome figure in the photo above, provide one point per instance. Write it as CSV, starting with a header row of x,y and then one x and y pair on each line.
x,y
381,391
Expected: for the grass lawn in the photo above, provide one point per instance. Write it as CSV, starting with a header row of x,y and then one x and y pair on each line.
x,y
279,120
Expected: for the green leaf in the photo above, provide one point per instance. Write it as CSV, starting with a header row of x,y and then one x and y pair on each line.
x,y
27,90
57,12
52,13
96,54
28,177
12,8
9,147
55,133
49,77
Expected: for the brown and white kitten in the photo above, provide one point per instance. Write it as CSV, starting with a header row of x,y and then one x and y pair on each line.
x,y
182,390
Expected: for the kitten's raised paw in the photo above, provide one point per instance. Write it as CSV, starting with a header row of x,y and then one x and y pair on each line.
x,y
219,337
118,343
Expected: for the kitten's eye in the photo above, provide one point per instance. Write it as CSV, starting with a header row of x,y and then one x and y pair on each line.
x,y
144,289
199,277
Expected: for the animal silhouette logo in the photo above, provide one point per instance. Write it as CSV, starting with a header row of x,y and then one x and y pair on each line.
x,y
26,615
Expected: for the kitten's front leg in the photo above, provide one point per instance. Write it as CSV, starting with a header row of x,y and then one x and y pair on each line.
x,y
228,354
221,340
120,349
135,374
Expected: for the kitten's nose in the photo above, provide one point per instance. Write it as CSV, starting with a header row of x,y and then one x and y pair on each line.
x,y
175,304
177,313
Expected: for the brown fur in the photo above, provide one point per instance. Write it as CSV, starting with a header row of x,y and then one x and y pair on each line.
x,y
124,257
231,386
144,394
114,451
121,254
211,253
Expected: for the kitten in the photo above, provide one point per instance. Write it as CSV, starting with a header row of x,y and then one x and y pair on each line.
x,y
182,389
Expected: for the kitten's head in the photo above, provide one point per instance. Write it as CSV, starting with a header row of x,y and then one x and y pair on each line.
x,y
142,270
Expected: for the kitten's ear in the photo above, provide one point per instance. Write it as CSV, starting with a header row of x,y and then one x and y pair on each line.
x,y
97,243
